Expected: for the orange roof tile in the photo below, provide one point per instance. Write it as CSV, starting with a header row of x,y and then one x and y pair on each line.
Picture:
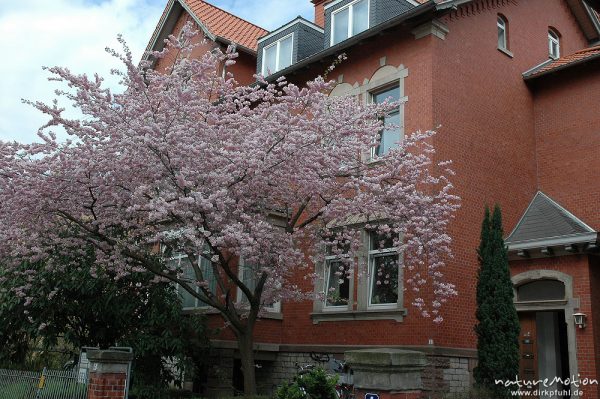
x,y
566,61
226,25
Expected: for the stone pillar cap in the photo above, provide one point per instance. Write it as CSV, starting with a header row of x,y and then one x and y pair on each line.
x,y
109,356
381,357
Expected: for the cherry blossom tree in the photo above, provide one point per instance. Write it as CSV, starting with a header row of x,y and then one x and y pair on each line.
x,y
189,162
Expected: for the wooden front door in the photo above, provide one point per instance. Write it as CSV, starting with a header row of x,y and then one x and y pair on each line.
x,y
528,365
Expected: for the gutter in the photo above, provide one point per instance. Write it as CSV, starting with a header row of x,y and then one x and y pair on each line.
x,y
417,11
237,45
554,241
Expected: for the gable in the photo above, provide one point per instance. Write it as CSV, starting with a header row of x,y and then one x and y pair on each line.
x,y
217,25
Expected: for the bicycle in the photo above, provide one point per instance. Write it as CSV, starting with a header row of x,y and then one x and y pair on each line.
x,y
345,386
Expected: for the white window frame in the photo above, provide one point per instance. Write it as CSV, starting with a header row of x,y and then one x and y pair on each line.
x,y
396,83
198,303
328,260
274,308
553,39
350,20
277,54
375,253
502,26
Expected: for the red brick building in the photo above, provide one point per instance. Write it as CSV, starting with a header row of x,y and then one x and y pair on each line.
x,y
512,86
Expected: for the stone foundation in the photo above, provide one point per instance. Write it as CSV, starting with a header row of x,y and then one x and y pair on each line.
x,y
441,375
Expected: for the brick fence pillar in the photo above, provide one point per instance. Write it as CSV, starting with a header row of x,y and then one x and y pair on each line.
x,y
387,373
108,374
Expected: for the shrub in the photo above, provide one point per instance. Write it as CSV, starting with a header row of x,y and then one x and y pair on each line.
x,y
316,383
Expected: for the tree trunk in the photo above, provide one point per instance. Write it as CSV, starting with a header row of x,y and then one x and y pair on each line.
x,y
246,343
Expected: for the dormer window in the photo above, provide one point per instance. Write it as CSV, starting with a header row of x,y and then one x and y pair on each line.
x,y
553,44
349,21
278,55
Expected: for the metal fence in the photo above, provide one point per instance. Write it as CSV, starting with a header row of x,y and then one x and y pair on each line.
x,y
49,384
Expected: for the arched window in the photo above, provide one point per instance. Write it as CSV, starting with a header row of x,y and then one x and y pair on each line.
x,y
541,290
502,32
553,43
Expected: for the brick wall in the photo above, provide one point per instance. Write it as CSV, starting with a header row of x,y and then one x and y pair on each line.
x,y
105,386
567,132
487,117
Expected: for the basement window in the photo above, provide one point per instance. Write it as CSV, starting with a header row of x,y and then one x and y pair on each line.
x,y
349,21
278,55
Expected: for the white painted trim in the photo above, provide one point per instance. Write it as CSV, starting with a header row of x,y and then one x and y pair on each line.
x,y
350,7
530,70
333,3
197,20
553,38
371,254
554,241
277,54
289,25
327,275
162,27
501,22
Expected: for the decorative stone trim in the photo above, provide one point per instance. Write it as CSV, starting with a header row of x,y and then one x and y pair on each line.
x,y
387,314
569,305
434,28
387,369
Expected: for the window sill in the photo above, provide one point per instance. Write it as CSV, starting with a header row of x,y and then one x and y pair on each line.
x,y
506,52
210,311
379,314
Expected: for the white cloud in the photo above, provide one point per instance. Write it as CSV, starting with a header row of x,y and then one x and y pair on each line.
x,y
269,14
71,33
74,33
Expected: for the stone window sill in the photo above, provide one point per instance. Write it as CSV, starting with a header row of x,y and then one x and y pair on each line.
x,y
209,311
506,51
379,314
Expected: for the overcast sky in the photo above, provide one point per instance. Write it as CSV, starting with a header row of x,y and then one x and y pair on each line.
x,y
74,33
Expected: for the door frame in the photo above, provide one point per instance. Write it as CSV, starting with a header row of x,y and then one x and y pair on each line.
x,y
569,305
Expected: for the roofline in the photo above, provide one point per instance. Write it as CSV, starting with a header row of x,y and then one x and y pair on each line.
x,y
203,27
530,70
561,67
577,238
238,46
560,207
197,20
422,9
289,24
592,16
573,217
522,216
163,19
